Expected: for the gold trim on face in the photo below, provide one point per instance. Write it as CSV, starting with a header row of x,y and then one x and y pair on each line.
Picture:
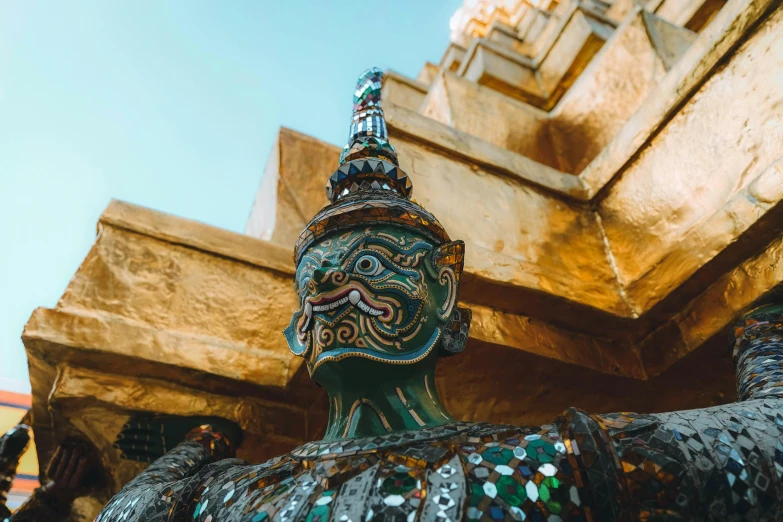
x,y
408,407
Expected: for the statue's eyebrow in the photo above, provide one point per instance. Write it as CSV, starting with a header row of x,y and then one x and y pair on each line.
x,y
349,249
310,256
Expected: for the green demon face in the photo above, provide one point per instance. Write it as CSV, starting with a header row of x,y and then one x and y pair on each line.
x,y
383,293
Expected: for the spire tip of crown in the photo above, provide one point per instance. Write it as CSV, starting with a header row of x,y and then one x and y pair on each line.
x,y
368,161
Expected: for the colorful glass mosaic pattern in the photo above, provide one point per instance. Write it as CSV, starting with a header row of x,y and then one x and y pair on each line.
x,y
758,353
453,255
367,122
368,161
722,463
367,208
455,334
367,174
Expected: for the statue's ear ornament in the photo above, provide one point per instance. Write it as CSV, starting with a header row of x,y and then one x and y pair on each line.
x,y
454,334
451,255
447,262
298,345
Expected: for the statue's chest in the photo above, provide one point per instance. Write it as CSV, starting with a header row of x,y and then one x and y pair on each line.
x,y
512,478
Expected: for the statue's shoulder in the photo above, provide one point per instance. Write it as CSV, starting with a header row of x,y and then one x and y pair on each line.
x,y
241,472
509,446
229,485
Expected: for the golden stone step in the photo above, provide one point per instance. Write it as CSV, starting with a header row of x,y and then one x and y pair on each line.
x,y
589,115
581,38
505,36
555,58
428,73
691,14
491,116
498,68
617,82
532,23
403,91
540,43
452,57
292,186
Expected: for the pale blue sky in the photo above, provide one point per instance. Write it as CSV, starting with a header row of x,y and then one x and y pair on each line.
x,y
172,105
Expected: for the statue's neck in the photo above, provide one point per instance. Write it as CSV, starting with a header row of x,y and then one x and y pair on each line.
x,y
385,404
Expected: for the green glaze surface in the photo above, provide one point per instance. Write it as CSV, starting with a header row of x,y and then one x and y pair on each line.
x,y
373,303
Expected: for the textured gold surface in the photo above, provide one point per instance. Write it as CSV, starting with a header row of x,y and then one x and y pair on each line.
x,y
497,330
730,25
477,110
537,389
452,57
197,311
603,99
708,315
290,194
514,235
401,90
428,73
670,208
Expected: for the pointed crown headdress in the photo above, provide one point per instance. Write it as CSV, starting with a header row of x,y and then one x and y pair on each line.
x,y
369,187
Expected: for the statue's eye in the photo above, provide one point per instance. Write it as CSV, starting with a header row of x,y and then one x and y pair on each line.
x,y
368,266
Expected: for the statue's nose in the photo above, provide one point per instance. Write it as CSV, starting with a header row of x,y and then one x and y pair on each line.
x,y
328,278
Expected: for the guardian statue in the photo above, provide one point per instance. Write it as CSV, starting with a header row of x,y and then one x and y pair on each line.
x,y
378,281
